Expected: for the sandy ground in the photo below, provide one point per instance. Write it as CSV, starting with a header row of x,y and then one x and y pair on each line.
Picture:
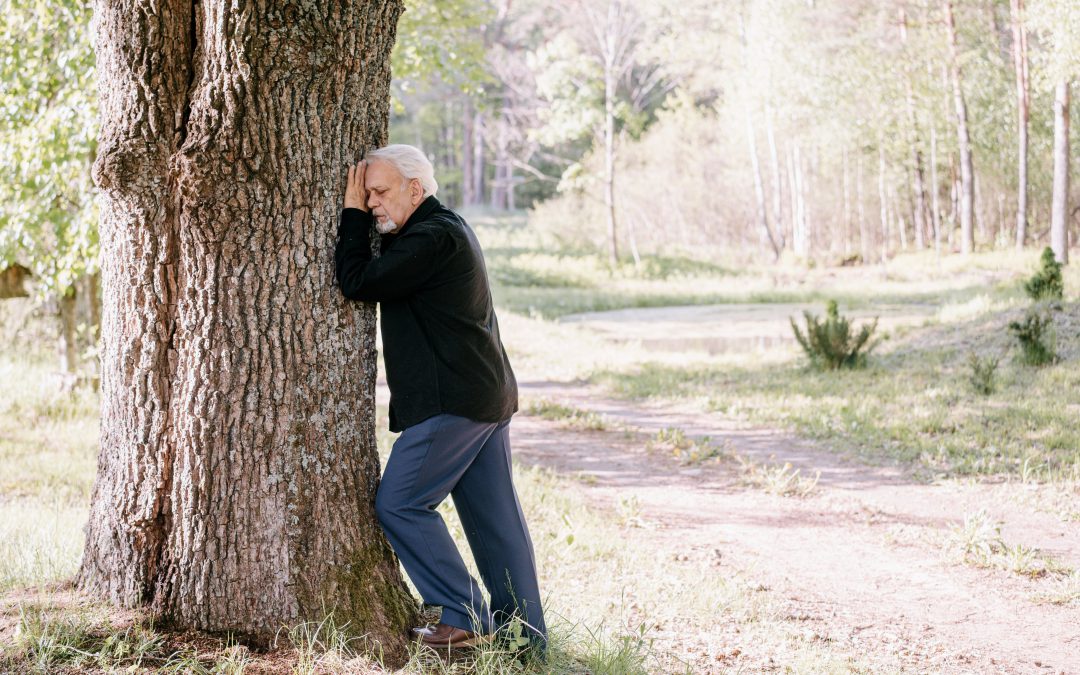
x,y
860,563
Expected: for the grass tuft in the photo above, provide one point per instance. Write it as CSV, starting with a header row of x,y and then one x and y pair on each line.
x,y
568,416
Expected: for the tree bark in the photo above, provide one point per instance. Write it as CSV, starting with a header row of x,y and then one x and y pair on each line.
x,y
967,171
1023,107
1059,215
237,470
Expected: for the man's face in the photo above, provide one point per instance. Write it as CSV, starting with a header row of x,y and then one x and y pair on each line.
x,y
391,198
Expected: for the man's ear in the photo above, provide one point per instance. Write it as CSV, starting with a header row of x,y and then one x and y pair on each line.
x,y
416,191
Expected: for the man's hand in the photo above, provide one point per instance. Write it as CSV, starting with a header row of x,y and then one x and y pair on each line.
x,y
355,194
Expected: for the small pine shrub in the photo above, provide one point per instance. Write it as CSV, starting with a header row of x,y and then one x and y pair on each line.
x,y
833,343
983,373
1036,337
1046,283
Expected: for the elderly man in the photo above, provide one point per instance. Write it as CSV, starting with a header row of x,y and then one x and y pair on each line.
x,y
452,394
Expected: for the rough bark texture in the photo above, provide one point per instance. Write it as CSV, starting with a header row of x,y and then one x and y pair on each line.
x,y
238,468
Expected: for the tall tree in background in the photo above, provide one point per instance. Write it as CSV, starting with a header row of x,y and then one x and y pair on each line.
x,y
766,234
918,171
1059,212
1023,115
1057,23
454,57
237,469
615,42
967,170
598,81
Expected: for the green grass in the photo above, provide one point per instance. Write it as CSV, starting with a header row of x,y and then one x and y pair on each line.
x,y
978,542
574,418
536,277
913,403
587,571
48,446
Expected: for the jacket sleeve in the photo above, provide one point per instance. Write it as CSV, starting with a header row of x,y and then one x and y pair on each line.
x,y
401,269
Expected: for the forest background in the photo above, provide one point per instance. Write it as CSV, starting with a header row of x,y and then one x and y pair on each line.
x,y
822,131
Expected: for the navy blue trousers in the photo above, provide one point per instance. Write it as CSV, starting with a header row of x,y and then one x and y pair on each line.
x,y
451,455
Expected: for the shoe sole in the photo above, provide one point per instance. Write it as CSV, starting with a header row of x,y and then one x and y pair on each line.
x,y
470,643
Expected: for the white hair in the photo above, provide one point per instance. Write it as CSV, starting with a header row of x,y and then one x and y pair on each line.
x,y
410,163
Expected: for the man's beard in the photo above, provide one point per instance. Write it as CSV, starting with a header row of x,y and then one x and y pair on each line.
x,y
385,226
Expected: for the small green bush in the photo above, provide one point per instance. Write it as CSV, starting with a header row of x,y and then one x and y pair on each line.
x,y
1046,283
1036,337
983,372
833,344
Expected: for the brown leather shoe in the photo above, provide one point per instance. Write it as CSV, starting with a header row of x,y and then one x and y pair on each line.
x,y
444,636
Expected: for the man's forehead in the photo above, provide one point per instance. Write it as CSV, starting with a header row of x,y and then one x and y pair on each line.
x,y
380,171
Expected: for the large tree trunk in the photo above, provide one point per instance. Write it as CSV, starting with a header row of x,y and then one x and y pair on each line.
x,y
238,469
967,171
1059,218
1020,63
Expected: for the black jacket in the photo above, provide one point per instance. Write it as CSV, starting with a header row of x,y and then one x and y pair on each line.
x,y
440,337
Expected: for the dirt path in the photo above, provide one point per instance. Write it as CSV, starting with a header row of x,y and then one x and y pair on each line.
x,y
859,564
